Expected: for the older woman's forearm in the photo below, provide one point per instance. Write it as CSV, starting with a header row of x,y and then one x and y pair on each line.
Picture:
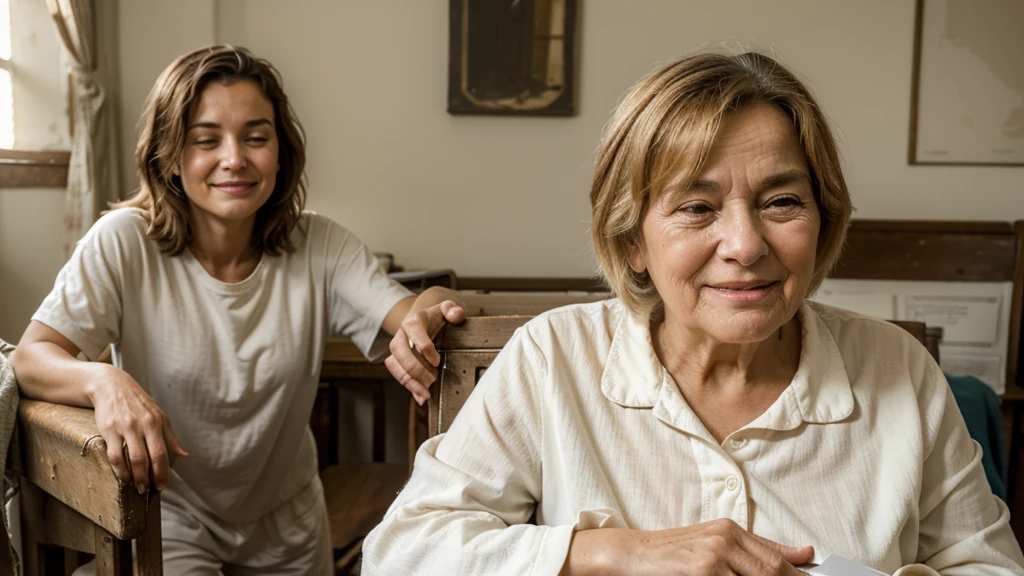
x,y
437,541
601,551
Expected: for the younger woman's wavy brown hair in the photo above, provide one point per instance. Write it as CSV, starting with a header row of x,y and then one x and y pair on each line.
x,y
663,130
162,143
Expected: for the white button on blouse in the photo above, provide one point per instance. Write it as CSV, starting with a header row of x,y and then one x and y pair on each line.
x,y
731,484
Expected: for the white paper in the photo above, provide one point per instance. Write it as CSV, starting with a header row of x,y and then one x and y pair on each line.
x,y
988,369
974,317
836,565
964,319
872,304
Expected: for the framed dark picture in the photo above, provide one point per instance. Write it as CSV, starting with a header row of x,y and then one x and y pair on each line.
x,y
967,92
512,57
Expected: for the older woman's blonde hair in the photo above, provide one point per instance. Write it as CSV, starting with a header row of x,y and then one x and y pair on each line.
x,y
662,132
162,142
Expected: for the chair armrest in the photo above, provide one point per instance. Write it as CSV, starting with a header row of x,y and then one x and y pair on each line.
x,y
63,454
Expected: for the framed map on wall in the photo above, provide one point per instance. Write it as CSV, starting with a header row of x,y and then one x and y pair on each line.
x,y
967,95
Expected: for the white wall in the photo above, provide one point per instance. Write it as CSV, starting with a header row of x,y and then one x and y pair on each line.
x,y
508,196
151,34
505,195
32,219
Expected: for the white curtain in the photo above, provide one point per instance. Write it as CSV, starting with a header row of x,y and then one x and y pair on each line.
x,y
93,173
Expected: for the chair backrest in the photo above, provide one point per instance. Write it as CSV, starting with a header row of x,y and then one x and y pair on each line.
x,y
467,350
72,499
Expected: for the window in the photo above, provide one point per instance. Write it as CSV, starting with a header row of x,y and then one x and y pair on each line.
x,y
6,92
40,162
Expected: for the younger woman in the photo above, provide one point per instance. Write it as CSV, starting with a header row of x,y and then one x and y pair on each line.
x,y
218,293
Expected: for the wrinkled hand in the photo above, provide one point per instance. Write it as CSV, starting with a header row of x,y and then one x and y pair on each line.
x,y
141,444
413,360
718,547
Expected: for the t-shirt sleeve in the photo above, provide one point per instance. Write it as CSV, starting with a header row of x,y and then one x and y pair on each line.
x,y
85,305
360,293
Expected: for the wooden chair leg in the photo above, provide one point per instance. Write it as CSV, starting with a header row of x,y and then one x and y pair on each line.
x,y
347,562
148,548
72,560
35,553
324,424
379,421
418,428
113,556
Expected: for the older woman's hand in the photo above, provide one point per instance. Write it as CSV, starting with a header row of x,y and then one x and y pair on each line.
x,y
413,360
706,549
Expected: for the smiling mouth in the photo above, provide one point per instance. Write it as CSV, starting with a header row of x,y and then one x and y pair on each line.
x,y
234,187
745,288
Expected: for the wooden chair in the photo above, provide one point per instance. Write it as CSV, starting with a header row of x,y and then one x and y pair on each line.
x,y
468,349
358,494
70,497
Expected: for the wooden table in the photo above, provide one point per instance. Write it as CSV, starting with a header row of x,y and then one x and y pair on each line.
x,y
345,367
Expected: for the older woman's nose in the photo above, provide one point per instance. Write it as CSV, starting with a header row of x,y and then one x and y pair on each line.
x,y
742,238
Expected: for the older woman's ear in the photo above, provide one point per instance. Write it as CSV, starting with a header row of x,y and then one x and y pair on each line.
x,y
636,259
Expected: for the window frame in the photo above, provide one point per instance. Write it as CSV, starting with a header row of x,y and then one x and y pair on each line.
x,y
31,168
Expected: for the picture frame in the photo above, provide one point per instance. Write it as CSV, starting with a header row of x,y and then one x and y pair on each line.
x,y
967,91
512,57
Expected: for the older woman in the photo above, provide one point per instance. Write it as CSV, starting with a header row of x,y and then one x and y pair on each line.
x,y
709,420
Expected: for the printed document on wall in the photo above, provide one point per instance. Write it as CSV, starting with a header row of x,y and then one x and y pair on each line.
x,y
974,317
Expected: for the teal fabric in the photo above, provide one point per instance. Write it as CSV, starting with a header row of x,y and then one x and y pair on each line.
x,y
980,407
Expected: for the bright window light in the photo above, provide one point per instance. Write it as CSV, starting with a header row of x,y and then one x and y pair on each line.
x,y
6,111
6,94
5,29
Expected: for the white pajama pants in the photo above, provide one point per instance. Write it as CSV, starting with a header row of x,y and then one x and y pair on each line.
x,y
294,539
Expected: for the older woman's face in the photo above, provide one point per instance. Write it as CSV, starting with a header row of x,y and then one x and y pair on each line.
x,y
732,255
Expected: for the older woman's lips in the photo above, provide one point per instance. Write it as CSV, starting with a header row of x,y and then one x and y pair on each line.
x,y
744,293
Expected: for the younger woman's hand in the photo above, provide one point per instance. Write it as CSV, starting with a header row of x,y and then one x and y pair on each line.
x,y
413,360
141,444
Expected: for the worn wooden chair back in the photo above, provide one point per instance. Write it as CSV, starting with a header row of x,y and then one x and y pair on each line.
x,y
467,350
71,499
358,494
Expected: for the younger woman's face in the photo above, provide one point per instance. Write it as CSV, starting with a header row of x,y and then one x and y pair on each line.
x,y
230,163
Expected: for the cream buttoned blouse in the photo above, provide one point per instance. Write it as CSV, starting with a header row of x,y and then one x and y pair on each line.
x,y
865,455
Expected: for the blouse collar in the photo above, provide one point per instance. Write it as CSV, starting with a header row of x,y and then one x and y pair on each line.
x,y
819,393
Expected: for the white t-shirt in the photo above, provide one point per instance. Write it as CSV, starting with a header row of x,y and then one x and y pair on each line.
x,y
864,455
234,366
